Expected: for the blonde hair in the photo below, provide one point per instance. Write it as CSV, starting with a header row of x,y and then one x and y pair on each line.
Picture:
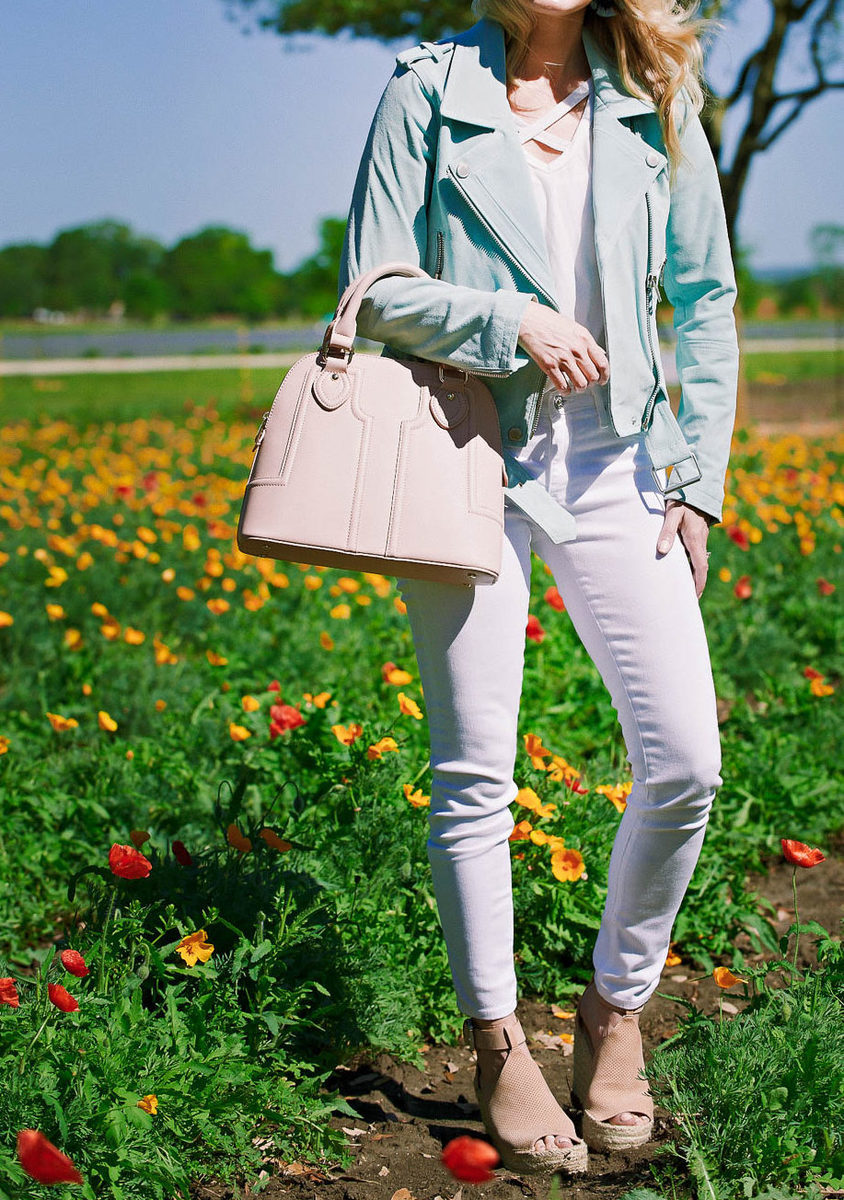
x,y
654,44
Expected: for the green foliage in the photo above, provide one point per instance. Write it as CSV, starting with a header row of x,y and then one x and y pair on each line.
x,y
760,1098
385,19
214,271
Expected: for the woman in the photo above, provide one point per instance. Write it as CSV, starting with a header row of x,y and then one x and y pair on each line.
x,y
548,169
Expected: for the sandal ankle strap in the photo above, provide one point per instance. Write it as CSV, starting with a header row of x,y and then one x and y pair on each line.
x,y
634,1012
500,1037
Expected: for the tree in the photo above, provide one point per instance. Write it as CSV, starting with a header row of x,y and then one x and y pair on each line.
x,y
804,34
217,270
312,286
88,266
22,287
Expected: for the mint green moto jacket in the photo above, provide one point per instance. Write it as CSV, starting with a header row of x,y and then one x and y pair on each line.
x,y
444,183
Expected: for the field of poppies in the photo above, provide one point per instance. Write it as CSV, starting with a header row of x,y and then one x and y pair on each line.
x,y
213,787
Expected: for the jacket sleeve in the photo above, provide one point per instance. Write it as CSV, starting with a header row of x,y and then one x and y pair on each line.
x,y
426,317
699,282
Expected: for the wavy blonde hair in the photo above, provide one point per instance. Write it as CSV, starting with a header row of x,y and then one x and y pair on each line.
x,y
654,43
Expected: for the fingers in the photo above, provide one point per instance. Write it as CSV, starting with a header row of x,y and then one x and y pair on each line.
x,y
694,530
670,525
585,362
566,351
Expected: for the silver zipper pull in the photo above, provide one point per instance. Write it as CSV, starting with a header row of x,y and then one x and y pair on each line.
x,y
652,283
259,436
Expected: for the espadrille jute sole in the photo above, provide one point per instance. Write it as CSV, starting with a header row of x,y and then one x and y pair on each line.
x,y
574,1160
601,1135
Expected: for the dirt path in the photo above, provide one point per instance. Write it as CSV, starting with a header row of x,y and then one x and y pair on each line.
x,y
406,1116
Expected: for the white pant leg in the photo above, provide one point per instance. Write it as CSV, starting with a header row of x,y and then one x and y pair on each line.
x,y
470,649
638,617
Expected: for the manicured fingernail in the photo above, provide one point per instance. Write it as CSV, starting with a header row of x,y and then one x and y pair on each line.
x,y
663,547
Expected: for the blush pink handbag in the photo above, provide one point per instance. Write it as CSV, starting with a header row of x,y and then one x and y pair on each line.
x,y
377,464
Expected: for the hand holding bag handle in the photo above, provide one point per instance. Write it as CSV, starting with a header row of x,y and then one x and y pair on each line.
x,y
378,463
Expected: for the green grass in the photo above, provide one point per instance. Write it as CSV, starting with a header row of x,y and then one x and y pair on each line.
x,y
81,399
760,1098
794,366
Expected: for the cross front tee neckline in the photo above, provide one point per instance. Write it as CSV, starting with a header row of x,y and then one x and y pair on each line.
x,y
538,130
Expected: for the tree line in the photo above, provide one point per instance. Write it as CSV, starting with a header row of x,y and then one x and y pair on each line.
x,y
93,267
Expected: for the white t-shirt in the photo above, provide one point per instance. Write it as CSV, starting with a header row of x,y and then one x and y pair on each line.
x,y
563,191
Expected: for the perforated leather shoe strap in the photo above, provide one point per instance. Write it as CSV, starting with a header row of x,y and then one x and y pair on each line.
x,y
504,1037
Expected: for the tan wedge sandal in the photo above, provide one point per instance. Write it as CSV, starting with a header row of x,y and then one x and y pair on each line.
x,y
518,1108
606,1077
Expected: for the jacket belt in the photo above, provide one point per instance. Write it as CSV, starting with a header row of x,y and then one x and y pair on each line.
x,y
673,465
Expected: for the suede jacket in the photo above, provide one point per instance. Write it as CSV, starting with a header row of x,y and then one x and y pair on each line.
x,y
444,183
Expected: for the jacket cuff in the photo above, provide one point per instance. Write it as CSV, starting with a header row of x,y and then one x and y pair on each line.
x,y
701,498
507,315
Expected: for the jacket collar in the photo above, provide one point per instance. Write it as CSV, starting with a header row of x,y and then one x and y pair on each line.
x,y
479,97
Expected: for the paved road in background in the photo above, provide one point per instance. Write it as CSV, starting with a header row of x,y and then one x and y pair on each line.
x,y
49,342
209,362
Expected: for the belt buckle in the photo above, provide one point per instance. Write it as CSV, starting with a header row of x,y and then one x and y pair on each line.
x,y
681,482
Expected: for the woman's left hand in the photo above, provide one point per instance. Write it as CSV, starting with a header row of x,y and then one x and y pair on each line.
x,y
693,528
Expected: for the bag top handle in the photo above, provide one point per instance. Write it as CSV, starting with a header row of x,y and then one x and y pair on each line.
x,y
338,343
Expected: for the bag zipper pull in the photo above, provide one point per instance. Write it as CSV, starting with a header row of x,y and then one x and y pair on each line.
x,y
259,436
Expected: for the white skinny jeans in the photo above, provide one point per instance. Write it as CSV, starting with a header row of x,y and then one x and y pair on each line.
x,y
639,619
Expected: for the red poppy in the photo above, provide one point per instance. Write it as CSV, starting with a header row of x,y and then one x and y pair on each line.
x,y
553,597
275,686
801,855
128,863
44,1161
811,673
74,963
825,587
469,1159
181,855
737,535
62,998
284,717
743,589
9,993
536,633
576,786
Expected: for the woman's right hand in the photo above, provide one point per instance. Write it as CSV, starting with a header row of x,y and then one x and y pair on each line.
x,y
558,344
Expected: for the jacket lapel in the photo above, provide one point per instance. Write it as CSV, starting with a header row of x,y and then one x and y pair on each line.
x,y
490,169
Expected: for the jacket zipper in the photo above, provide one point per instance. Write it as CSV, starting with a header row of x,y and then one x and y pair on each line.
x,y
438,270
505,257
651,298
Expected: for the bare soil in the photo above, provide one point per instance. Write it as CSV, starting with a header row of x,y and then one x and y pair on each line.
x,y
815,409
406,1116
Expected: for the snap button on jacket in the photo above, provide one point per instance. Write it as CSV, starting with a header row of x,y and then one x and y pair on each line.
x,y
443,182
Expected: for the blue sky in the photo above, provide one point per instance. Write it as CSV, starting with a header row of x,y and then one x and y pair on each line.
x,y
162,113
